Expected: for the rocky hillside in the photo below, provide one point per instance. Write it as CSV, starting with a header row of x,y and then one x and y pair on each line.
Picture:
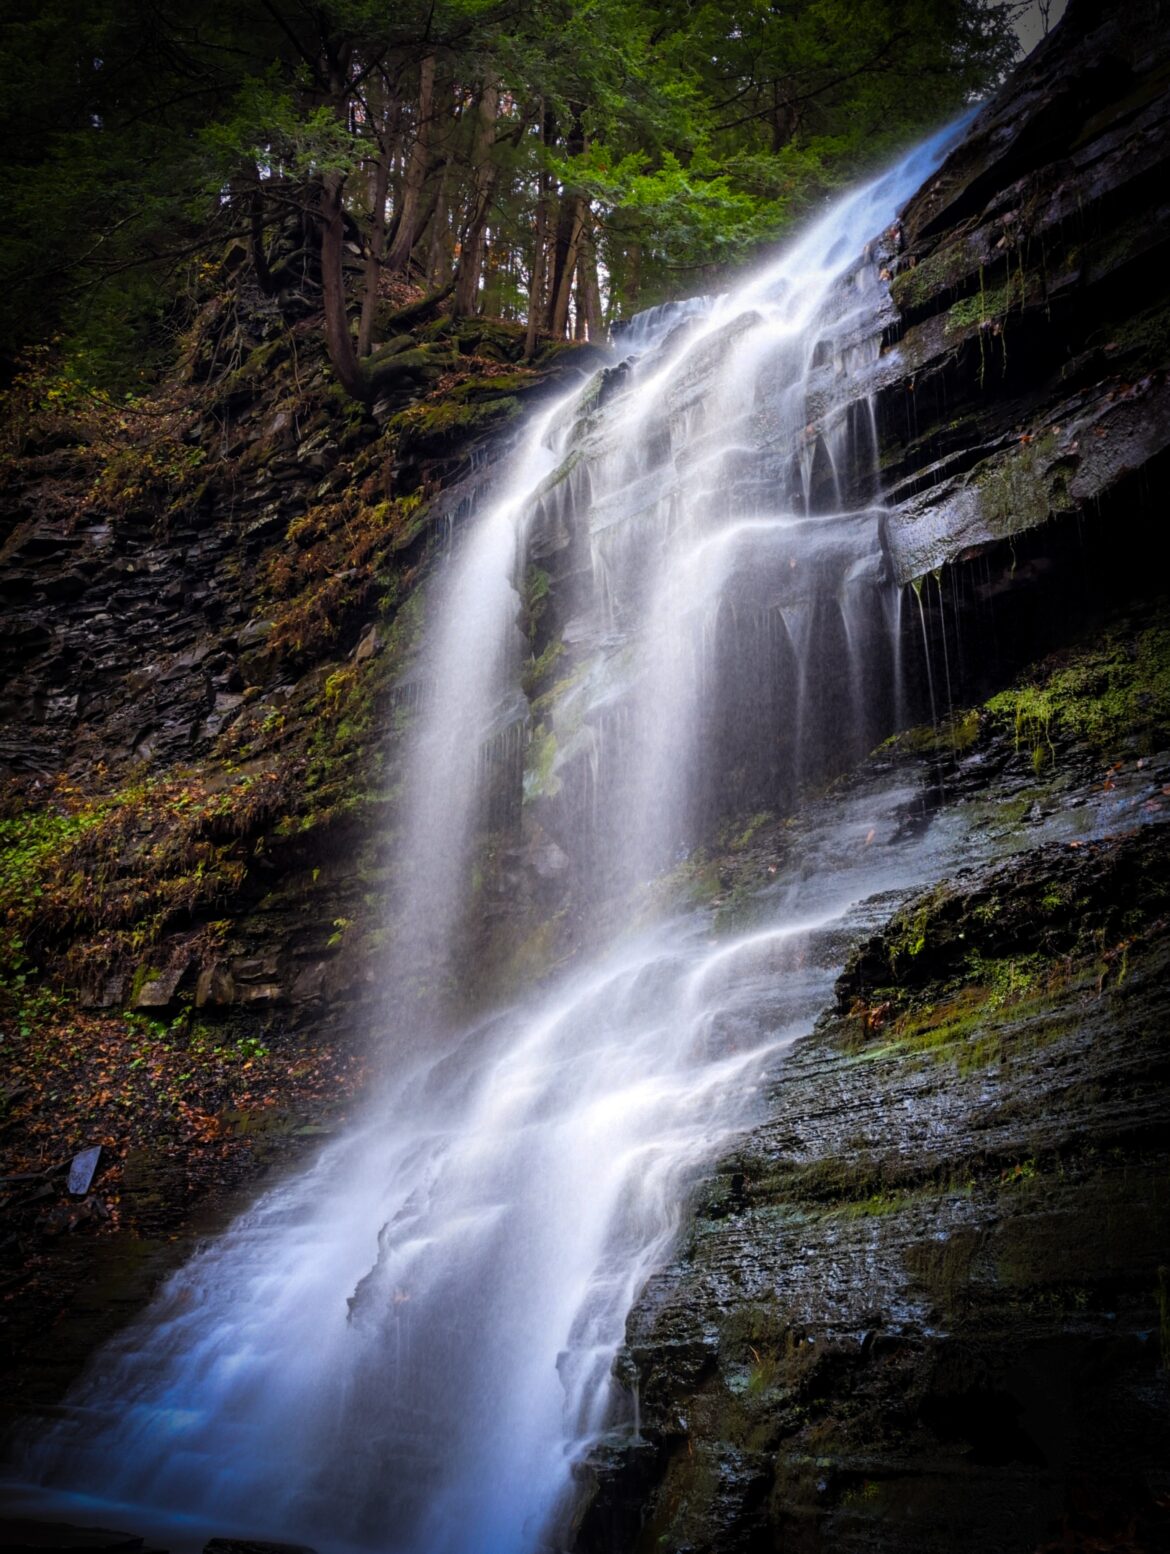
x,y
923,1305
209,598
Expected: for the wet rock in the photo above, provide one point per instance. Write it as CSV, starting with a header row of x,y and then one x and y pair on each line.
x,y
253,969
261,994
369,644
82,1169
1015,387
215,987
21,1535
253,1546
255,632
309,984
158,989
930,1295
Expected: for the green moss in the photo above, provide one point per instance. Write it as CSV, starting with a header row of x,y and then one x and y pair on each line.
x,y
1146,335
986,307
538,669
876,1206
754,825
907,933
547,702
539,780
142,975
492,387
432,423
954,735
1023,487
533,599
256,368
939,273
561,473
1111,695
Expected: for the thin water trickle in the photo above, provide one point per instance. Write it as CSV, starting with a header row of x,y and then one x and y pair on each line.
x,y
406,1347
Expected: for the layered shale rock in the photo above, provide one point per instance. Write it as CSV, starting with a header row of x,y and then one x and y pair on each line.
x,y
923,1305
1024,373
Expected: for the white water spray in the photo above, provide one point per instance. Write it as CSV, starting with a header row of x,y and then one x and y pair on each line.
x,y
407,1347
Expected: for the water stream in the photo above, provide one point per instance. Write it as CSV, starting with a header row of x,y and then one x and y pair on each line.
x,y
407,1346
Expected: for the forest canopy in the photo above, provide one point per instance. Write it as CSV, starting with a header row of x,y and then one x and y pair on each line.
x,y
557,163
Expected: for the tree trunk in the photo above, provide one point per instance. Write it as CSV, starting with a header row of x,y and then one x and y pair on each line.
x,y
540,249
338,340
256,246
633,278
377,239
588,289
560,300
471,254
418,163
439,250
427,214
564,255
536,290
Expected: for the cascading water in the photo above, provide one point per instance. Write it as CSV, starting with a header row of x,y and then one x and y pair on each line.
x,y
408,1346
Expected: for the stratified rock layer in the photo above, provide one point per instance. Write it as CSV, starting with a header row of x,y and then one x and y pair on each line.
x,y
1024,374
922,1306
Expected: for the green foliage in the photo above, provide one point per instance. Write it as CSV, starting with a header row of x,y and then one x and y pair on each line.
x,y
695,132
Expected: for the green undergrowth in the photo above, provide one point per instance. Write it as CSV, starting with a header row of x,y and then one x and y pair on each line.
x,y
103,879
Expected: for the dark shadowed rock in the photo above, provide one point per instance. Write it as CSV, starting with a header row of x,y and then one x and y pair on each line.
x,y
253,1546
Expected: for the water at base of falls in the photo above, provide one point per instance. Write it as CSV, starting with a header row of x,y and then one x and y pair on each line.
x,y
407,1346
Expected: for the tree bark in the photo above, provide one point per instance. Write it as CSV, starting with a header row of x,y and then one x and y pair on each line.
x,y
338,340
564,255
588,288
633,278
377,239
439,249
409,224
471,253
559,316
540,249
259,253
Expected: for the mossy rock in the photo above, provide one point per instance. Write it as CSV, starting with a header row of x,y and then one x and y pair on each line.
x,y
492,387
1113,695
921,287
432,426
394,368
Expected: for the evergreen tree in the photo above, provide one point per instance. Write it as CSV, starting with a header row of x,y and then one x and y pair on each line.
x,y
545,160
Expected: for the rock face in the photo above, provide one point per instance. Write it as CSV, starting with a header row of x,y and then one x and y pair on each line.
x,y
919,1308
1024,372
922,1306
208,606
200,616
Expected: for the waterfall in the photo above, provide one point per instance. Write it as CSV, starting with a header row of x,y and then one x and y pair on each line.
x,y
410,1345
